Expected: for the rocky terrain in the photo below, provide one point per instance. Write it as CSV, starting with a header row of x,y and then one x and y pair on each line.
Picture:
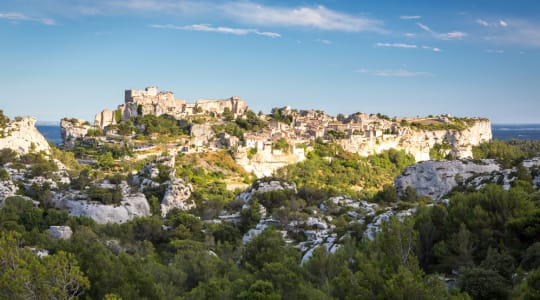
x,y
22,136
72,129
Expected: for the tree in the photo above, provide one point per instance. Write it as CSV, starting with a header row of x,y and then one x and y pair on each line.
x,y
24,275
531,258
105,161
482,284
395,245
7,155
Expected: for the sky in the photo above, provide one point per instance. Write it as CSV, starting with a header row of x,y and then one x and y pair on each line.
x,y
73,58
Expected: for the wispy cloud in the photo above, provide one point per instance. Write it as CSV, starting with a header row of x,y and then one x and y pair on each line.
x,y
407,46
410,17
516,32
323,41
482,22
452,35
226,30
393,73
494,51
14,16
318,17
396,45
434,49
408,34
485,23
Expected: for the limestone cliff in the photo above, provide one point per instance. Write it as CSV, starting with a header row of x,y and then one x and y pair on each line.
x,y
420,142
265,162
72,129
22,136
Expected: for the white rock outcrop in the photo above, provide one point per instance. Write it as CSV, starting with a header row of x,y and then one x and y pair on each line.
x,y
21,136
265,162
7,189
132,205
176,196
261,186
437,178
72,129
60,232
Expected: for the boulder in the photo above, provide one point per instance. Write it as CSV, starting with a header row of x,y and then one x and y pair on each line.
x,y
60,232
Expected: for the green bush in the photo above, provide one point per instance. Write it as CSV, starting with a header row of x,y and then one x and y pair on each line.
x,y
104,195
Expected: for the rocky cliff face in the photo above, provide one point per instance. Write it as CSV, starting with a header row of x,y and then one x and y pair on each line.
x,y
420,142
265,162
72,129
22,136
437,178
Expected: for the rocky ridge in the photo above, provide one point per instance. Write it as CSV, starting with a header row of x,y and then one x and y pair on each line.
x,y
72,129
21,135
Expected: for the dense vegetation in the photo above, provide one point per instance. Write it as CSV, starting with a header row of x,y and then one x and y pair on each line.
x,y
507,153
330,168
431,124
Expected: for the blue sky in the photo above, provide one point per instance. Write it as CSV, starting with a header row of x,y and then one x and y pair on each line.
x,y
74,58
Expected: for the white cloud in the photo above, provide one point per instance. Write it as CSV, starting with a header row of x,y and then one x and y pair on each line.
x,y
318,17
453,35
434,49
503,23
409,34
396,45
393,73
483,22
410,17
424,27
495,51
13,16
322,41
226,30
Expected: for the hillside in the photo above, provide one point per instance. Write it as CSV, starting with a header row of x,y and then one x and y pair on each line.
x,y
158,207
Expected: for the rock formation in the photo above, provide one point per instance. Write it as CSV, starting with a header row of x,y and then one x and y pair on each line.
x,y
266,161
176,196
72,129
437,178
132,205
22,136
420,142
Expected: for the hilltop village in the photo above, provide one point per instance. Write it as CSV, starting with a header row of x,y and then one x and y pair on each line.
x,y
283,136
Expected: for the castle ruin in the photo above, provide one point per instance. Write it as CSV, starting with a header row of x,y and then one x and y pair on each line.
x,y
150,101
